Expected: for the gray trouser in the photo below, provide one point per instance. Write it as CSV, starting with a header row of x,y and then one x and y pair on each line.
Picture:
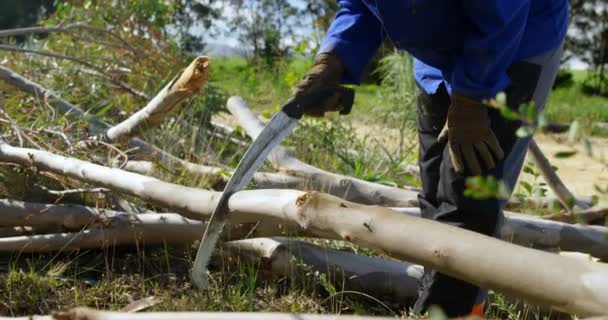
x,y
442,197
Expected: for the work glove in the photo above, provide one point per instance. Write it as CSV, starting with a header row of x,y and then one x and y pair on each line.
x,y
325,73
471,141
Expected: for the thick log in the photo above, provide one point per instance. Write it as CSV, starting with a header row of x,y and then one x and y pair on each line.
x,y
15,213
90,314
391,281
535,232
566,198
148,229
518,228
484,261
166,102
349,188
198,204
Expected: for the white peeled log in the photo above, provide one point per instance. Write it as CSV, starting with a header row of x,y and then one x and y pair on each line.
x,y
165,103
145,229
564,283
349,188
387,280
266,205
261,180
538,233
518,228
91,314
15,213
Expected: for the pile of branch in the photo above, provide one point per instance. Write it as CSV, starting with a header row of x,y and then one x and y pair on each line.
x,y
366,214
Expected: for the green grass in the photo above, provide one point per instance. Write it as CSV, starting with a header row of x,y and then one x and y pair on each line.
x,y
113,278
568,104
265,91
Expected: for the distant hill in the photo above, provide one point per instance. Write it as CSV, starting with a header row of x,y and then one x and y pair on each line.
x,y
223,50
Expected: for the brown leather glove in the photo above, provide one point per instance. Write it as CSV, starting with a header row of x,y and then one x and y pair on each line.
x,y
471,141
326,72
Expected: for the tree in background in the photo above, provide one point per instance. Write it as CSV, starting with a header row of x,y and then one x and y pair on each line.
x,y
266,26
588,41
192,18
321,13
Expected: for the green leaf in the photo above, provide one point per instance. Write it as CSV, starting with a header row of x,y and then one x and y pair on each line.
x,y
565,154
524,131
526,186
509,114
529,169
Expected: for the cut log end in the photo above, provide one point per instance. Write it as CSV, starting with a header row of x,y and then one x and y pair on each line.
x,y
194,76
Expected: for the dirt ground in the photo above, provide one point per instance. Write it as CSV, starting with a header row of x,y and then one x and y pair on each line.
x,y
580,173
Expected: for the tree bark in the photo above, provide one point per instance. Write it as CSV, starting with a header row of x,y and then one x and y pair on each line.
x,y
566,198
484,261
349,188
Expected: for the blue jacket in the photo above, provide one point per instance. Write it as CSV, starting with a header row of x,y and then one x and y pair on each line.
x,y
468,44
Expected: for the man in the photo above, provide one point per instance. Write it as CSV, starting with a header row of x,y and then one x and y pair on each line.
x,y
466,52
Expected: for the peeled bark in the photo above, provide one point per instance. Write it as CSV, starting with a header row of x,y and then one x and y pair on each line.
x,y
392,281
566,198
349,188
90,314
166,102
484,261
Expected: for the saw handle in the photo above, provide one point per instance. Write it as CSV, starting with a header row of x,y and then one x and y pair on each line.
x,y
342,99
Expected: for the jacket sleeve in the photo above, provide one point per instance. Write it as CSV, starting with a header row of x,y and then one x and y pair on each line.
x,y
480,72
354,36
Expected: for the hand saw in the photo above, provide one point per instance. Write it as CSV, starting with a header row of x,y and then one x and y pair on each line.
x,y
272,135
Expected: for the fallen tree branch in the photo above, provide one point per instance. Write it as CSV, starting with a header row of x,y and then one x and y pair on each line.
x,y
521,229
83,62
90,314
70,110
149,229
566,198
349,188
535,232
166,102
581,285
598,216
390,281
198,204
